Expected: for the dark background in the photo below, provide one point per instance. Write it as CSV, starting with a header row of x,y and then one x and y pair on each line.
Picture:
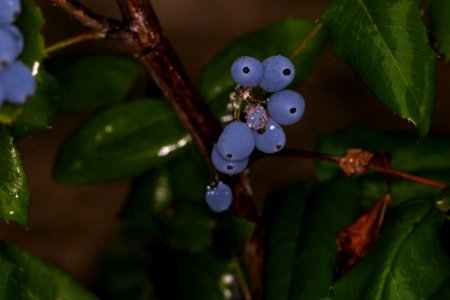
x,y
70,226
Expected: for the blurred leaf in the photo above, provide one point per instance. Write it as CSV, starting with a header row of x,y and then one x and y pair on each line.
x,y
96,81
406,262
190,229
30,23
149,196
282,37
124,140
124,270
42,109
153,192
30,278
231,234
14,196
386,45
439,12
9,112
443,292
427,158
201,277
301,250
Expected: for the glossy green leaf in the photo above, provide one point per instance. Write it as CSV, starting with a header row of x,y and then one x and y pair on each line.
x,y
407,261
332,206
124,140
301,250
14,196
282,37
231,234
96,81
41,109
29,278
30,23
201,276
386,45
190,229
439,13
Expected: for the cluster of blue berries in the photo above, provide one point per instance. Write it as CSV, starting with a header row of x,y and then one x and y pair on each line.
x,y
16,80
260,125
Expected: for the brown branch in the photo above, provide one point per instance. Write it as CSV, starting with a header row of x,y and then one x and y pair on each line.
x,y
343,162
108,27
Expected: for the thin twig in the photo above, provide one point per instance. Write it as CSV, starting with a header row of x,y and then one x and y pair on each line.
x,y
240,278
372,165
75,39
305,42
109,27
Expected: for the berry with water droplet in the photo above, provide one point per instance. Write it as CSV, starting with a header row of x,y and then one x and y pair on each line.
x,y
18,82
219,197
272,139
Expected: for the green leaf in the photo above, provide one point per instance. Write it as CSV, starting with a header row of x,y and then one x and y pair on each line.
x,y
42,109
14,196
332,206
439,13
386,45
30,23
30,278
301,250
284,211
123,140
282,37
427,158
190,229
96,81
202,277
407,261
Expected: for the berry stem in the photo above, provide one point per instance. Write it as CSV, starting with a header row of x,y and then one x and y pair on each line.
x,y
304,43
94,35
370,165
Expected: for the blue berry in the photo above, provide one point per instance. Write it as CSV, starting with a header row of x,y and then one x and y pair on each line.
x,y
286,107
247,71
18,37
279,72
226,166
8,47
272,139
2,95
18,82
236,141
9,11
256,116
219,198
